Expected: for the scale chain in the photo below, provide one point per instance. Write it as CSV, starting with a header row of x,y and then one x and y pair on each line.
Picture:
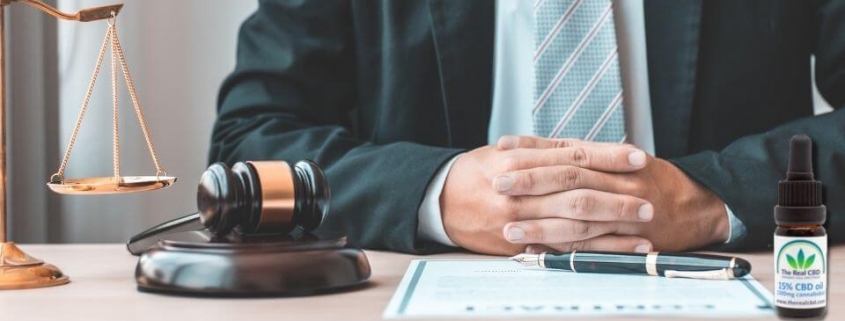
x,y
138,112
115,139
116,54
59,176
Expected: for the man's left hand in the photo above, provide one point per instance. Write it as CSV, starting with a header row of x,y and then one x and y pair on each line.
x,y
686,215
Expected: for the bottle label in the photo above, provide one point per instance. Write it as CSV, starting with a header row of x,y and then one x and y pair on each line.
x,y
800,272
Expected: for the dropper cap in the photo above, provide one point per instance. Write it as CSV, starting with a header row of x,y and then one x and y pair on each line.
x,y
800,195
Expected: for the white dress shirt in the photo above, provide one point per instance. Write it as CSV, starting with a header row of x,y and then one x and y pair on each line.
x,y
513,94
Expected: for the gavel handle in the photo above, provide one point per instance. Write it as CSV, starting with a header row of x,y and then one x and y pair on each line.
x,y
144,240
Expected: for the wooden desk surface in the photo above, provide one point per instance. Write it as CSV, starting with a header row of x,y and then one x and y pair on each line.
x,y
102,288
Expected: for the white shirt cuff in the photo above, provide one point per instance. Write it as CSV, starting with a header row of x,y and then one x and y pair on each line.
x,y
735,227
430,222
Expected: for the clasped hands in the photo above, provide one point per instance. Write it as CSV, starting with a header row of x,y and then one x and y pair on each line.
x,y
535,194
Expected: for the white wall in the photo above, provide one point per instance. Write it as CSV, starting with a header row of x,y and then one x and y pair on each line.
x,y
178,53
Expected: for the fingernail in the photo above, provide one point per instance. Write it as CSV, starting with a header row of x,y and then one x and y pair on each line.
x,y
515,233
636,158
503,183
642,248
507,142
645,212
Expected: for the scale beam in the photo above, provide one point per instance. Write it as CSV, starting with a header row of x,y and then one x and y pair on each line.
x,y
84,15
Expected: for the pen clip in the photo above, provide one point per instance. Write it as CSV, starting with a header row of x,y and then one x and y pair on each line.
x,y
720,274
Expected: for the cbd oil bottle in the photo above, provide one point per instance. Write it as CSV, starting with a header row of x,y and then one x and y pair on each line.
x,y
800,244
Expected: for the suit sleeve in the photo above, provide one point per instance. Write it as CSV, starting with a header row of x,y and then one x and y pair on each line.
x,y
292,97
745,174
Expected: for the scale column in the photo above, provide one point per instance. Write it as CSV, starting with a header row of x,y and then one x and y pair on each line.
x,y
3,227
17,269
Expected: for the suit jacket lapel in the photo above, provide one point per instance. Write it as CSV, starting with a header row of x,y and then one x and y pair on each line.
x,y
672,33
463,35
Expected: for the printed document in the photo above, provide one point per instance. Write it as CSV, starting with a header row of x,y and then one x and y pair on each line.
x,y
503,288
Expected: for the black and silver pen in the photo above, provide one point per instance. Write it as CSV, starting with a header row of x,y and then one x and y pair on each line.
x,y
670,265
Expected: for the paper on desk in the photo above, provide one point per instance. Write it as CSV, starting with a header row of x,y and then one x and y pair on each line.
x,y
502,288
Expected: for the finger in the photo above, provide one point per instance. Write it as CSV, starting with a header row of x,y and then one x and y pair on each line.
x,y
555,230
554,179
614,243
508,142
586,205
613,158
538,248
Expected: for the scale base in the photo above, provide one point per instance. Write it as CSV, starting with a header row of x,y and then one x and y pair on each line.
x,y
21,271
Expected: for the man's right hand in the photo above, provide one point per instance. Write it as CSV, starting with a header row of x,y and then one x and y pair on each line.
x,y
475,212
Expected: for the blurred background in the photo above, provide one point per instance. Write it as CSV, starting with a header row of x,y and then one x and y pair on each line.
x,y
179,51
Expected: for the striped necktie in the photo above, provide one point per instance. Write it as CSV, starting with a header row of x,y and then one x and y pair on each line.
x,y
577,88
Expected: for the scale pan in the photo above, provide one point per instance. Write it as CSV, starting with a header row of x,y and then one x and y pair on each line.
x,y
111,185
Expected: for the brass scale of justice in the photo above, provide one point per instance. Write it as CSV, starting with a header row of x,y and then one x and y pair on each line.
x,y
116,184
18,270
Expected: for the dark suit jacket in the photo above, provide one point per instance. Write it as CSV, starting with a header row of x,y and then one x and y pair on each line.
x,y
382,93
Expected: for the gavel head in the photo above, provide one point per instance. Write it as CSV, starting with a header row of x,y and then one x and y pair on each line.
x,y
263,197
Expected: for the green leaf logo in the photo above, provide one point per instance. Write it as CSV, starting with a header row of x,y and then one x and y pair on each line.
x,y
791,261
800,263
800,255
801,259
809,262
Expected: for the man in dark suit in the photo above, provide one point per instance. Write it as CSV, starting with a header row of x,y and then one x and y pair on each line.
x,y
384,94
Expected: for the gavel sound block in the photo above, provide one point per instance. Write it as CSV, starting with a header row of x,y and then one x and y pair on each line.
x,y
252,236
